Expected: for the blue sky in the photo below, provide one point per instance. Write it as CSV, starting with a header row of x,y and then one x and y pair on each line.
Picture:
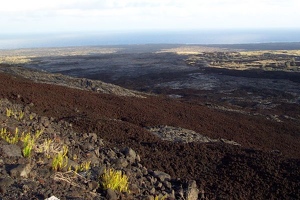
x,y
54,16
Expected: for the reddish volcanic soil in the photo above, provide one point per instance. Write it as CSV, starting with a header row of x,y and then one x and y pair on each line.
x,y
266,166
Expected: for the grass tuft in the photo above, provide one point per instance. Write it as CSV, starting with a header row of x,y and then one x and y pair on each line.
x,y
85,166
115,180
60,160
20,115
9,112
11,138
28,144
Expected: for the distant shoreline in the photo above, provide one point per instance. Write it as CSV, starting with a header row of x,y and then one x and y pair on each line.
x,y
195,37
146,48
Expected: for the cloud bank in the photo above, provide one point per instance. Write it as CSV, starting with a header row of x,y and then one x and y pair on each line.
x,y
130,15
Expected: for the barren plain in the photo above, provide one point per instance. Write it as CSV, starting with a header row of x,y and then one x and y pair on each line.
x,y
252,78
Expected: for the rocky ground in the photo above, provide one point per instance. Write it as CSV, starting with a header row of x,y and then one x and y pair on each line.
x,y
88,155
34,177
147,137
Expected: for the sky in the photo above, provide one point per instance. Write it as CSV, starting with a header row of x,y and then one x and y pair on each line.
x,y
55,16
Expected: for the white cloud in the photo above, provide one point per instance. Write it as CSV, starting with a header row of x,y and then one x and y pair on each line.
x,y
57,15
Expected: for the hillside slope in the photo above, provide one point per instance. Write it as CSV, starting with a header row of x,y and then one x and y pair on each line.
x,y
265,166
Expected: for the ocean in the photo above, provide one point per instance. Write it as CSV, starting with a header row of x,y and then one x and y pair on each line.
x,y
15,41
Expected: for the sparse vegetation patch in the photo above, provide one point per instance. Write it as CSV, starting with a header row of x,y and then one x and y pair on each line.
x,y
114,180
